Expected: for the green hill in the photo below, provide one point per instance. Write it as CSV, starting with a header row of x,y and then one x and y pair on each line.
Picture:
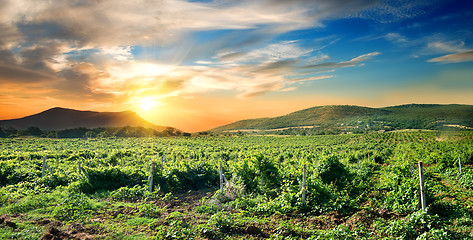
x,y
344,118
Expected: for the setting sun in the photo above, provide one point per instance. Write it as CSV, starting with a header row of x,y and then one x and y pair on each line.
x,y
147,103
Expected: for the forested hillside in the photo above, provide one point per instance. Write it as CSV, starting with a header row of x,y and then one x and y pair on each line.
x,y
342,119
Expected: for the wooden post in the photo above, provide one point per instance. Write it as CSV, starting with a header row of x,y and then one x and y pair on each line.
x,y
225,180
121,159
44,166
422,190
49,169
162,162
221,177
151,178
79,167
358,162
460,164
304,187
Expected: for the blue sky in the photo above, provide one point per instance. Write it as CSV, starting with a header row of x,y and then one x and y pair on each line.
x,y
219,61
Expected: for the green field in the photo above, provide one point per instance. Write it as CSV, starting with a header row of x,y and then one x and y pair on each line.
x,y
358,187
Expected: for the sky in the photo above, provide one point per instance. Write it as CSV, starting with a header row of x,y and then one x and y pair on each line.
x,y
195,65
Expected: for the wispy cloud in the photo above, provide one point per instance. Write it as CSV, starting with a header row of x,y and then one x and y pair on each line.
x,y
454,58
353,62
457,50
87,47
442,46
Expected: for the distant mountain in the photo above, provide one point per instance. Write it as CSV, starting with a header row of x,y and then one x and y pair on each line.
x,y
62,118
347,118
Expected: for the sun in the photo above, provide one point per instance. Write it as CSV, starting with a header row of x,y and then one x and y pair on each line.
x,y
147,103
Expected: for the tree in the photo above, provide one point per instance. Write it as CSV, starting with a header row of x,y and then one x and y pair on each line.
x,y
34,131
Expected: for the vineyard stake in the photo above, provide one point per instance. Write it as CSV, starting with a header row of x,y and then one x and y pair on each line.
x,y
304,186
151,178
221,176
460,164
162,162
358,162
49,169
79,167
44,166
422,190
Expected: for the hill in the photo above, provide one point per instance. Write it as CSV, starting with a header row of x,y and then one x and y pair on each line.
x,y
345,118
62,118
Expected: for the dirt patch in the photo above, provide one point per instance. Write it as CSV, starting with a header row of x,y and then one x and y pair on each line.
x,y
47,222
54,234
253,230
336,217
362,217
73,231
5,220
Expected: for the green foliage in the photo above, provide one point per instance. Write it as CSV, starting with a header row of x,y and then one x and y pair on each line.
x,y
400,187
6,173
150,210
466,179
332,171
267,172
129,194
210,208
419,223
53,181
246,170
218,226
31,202
110,178
74,207
11,174
265,188
177,228
186,177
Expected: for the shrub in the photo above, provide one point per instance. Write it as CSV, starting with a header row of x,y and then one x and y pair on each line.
x,y
331,170
110,178
74,207
129,194
150,210
466,179
218,226
414,225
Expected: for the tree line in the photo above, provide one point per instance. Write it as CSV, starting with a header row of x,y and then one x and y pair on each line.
x,y
82,132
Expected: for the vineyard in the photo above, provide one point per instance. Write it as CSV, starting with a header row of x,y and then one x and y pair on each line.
x,y
357,186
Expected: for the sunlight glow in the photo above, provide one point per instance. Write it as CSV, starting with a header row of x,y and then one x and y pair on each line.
x,y
147,103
